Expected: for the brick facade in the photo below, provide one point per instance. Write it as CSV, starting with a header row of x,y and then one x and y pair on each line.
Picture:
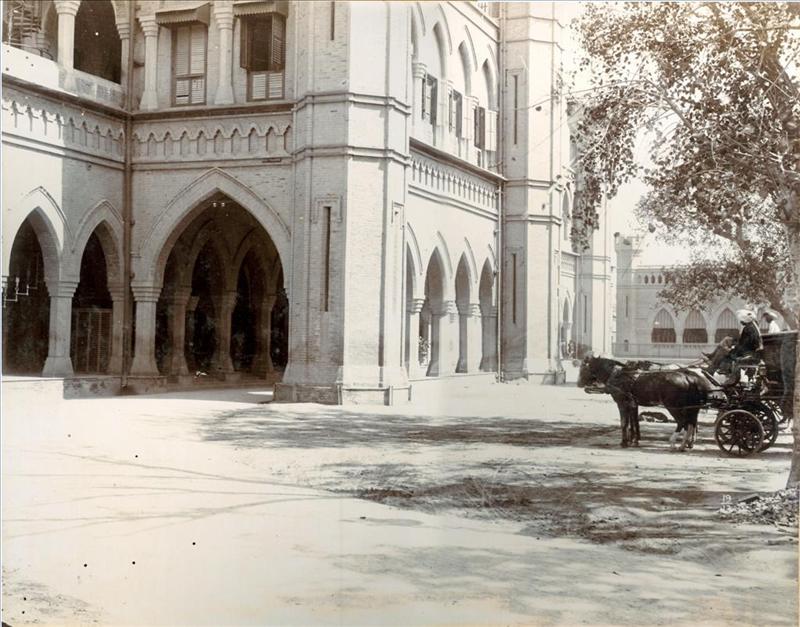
x,y
400,192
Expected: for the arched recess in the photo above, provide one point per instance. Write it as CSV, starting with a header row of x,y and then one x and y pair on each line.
x,y
727,325
488,302
462,77
663,328
694,329
26,306
489,77
189,203
435,325
221,293
98,49
104,221
92,334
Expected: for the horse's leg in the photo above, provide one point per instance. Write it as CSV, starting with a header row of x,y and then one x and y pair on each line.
x,y
623,423
686,423
635,425
692,419
673,439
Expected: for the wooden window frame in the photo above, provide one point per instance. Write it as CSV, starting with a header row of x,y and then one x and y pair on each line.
x,y
245,55
190,77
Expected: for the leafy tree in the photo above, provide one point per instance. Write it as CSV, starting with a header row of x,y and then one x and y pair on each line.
x,y
714,85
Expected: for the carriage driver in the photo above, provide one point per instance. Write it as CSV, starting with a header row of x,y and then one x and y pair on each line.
x,y
747,345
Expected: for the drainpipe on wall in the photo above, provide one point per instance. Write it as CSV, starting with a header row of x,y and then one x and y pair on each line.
x,y
127,202
501,71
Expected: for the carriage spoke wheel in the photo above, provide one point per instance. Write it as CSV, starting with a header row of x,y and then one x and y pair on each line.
x,y
766,415
739,433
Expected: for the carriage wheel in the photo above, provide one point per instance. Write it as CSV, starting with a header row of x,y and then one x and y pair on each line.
x,y
765,413
739,433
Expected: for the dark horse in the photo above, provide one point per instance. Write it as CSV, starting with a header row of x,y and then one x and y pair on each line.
x,y
682,392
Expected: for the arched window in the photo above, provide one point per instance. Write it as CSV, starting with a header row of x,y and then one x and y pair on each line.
x,y
565,217
663,328
646,280
726,326
98,50
694,331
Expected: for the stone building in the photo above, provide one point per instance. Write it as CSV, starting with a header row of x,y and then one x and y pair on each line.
x,y
345,198
646,326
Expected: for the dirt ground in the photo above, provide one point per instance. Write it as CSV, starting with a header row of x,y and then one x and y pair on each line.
x,y
501,504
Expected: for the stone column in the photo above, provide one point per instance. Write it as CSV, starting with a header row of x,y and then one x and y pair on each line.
x,y
59,362
124,32
262,362
222,363
474,339
191,306
176,364
444,343
223,13
414,307
144,359
117,329
66,9
489,334
150,95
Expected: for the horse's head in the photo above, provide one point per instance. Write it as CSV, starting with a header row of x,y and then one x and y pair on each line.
x,y
589,371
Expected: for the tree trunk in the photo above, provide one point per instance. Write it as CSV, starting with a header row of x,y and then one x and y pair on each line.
x,y
793,237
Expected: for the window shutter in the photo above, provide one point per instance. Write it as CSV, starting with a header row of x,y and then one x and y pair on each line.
x,y
469,116
258,86
451,117
278,47
459,115
491,130
434,98
198,51
424,96
182,36
480,127
245,51
275,86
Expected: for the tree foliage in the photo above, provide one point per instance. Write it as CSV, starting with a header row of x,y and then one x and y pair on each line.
x,y
714,86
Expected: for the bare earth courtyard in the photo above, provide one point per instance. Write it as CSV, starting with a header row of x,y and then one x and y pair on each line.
x,y
484,505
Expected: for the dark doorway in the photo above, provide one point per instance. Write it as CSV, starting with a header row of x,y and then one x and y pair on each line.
x,y
90,341
26,307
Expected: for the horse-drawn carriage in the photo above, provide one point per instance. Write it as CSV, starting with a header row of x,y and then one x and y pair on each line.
x,y
750,408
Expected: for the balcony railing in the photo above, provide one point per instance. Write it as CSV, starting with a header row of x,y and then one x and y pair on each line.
x,y
33,68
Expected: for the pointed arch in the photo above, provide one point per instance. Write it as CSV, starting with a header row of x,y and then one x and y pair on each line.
x,y
416,262
444,252
445,26
48,222
471,265
468,67
663,328
189,202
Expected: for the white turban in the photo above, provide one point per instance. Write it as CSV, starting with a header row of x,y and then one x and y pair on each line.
x,y
745,315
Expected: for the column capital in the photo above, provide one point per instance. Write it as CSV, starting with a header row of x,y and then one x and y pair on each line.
x,y
447,307
191,304
67,7
117,292
473,309
149,25
415,305
223,13
146,293
124,29
179,295
419,69
61,288
489,311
